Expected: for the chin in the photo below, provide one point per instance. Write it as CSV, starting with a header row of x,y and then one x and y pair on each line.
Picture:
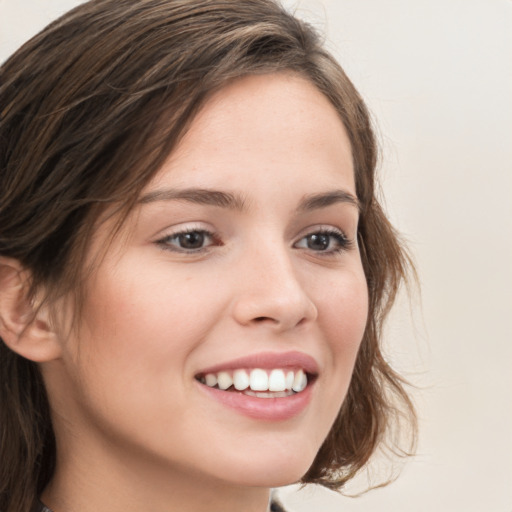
x,y
275,469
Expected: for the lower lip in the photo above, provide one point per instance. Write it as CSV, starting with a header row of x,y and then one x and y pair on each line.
x,y
268,409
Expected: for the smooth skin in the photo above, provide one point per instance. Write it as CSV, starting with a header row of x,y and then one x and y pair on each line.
x,y
265,272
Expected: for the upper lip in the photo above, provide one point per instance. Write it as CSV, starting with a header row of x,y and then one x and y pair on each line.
x,y
267,361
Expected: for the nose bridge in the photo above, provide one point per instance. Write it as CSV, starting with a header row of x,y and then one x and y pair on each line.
x,y
269,289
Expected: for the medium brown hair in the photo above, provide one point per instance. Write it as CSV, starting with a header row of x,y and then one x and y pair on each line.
x,y
90,109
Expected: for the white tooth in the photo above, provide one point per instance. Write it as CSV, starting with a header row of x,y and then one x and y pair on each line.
x,y
240,380
289,380
276,381
211,380
258,380
224,380
300,381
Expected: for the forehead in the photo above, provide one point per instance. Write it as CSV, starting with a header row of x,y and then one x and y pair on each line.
x,y
275,125
272,144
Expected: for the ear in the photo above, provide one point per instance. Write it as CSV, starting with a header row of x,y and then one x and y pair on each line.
x,y
25,327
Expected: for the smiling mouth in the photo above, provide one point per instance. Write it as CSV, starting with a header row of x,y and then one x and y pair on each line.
x,y
257,382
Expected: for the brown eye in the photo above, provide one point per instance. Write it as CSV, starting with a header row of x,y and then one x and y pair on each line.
x,y
318,241
327,241
188,241
192,240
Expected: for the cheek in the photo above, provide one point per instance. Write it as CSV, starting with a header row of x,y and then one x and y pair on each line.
x,y
144,319
138,330
342,316
343,311
342,303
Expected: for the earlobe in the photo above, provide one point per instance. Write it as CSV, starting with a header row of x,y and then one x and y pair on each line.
x,y
25,327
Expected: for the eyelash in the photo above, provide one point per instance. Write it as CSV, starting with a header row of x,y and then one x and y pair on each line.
x,y
343,243
165,242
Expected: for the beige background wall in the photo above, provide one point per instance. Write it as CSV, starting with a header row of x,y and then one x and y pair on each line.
x,y
438,76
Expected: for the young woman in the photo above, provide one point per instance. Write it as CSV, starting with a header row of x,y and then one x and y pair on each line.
x,y
194,268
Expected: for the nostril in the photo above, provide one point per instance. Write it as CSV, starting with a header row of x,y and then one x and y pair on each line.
x,y
261,319
302,321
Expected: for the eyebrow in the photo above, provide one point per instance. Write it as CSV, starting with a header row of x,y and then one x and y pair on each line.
x,y
234,201
325,199
197,195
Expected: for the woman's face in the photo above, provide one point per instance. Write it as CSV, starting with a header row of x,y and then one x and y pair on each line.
x,y
240,261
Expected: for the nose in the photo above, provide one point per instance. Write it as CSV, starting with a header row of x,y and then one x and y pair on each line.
x,y
270,292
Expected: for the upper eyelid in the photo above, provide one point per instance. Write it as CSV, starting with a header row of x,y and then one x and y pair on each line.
x,y
206,227
329,232
190,227
322,228
302,234
183,228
